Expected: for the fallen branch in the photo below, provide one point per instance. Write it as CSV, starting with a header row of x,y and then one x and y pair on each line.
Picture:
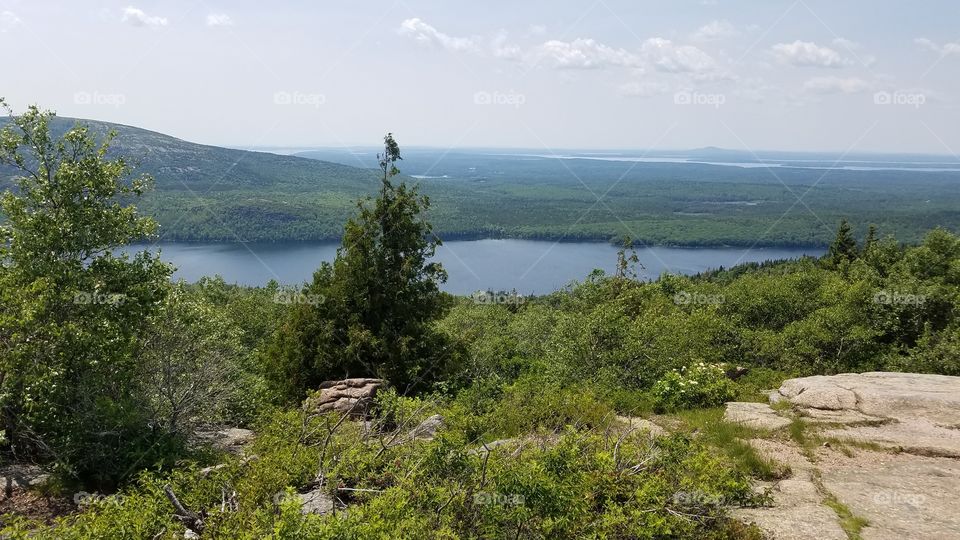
x,y
189,518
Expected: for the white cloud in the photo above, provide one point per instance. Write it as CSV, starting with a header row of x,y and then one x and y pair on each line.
x,y
137,17
668,57
852,47
579,54
943,50
714,30
501,48
643,89
836,85
219,19
426,34
585,53
809,54
9,20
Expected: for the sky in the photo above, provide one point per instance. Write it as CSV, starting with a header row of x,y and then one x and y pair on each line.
x,y
810,75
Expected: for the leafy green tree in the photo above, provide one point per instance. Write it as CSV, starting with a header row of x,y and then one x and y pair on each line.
x,y
844,246
371,312
71,309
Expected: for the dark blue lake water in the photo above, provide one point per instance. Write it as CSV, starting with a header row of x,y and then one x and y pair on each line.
x,y
529,266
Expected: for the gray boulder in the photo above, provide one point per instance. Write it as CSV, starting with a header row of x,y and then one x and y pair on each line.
x,y
349,396
316,502
427,429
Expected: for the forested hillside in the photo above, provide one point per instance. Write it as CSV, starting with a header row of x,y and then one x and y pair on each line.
x,y
206,193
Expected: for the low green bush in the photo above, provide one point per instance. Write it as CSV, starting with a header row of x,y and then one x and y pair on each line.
x,y
699,385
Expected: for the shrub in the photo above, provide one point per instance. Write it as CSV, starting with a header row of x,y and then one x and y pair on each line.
x,y
700,385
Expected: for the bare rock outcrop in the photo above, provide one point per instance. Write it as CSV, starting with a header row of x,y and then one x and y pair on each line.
x,y
906,411
900,495
348,396
798,514
755,415
895,462
22,476
226,439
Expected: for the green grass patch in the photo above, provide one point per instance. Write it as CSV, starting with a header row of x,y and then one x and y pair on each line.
x,y
851,523
800,435
731,439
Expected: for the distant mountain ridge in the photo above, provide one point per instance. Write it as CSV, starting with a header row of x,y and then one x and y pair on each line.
x,y
177,164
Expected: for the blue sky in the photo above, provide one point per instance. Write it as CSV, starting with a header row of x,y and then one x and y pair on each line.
x,y
790,75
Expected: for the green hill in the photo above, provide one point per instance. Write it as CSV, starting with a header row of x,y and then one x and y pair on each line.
x,y
207,192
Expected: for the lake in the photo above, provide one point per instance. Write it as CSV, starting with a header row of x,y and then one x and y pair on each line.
x,y
529,266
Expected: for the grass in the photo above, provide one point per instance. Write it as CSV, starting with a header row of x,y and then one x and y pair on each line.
x,y
851,523
781,406
798,432
732,438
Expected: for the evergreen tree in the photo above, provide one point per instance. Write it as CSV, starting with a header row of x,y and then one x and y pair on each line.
x,y
374,307
844,246
871,240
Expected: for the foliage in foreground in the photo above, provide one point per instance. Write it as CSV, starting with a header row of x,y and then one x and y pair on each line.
x,y
578,482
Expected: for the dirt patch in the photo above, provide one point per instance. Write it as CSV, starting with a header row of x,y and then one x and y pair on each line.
x,y
33,505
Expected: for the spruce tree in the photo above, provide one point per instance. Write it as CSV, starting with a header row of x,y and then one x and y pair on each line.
x,y
844,246
871,239
376,302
